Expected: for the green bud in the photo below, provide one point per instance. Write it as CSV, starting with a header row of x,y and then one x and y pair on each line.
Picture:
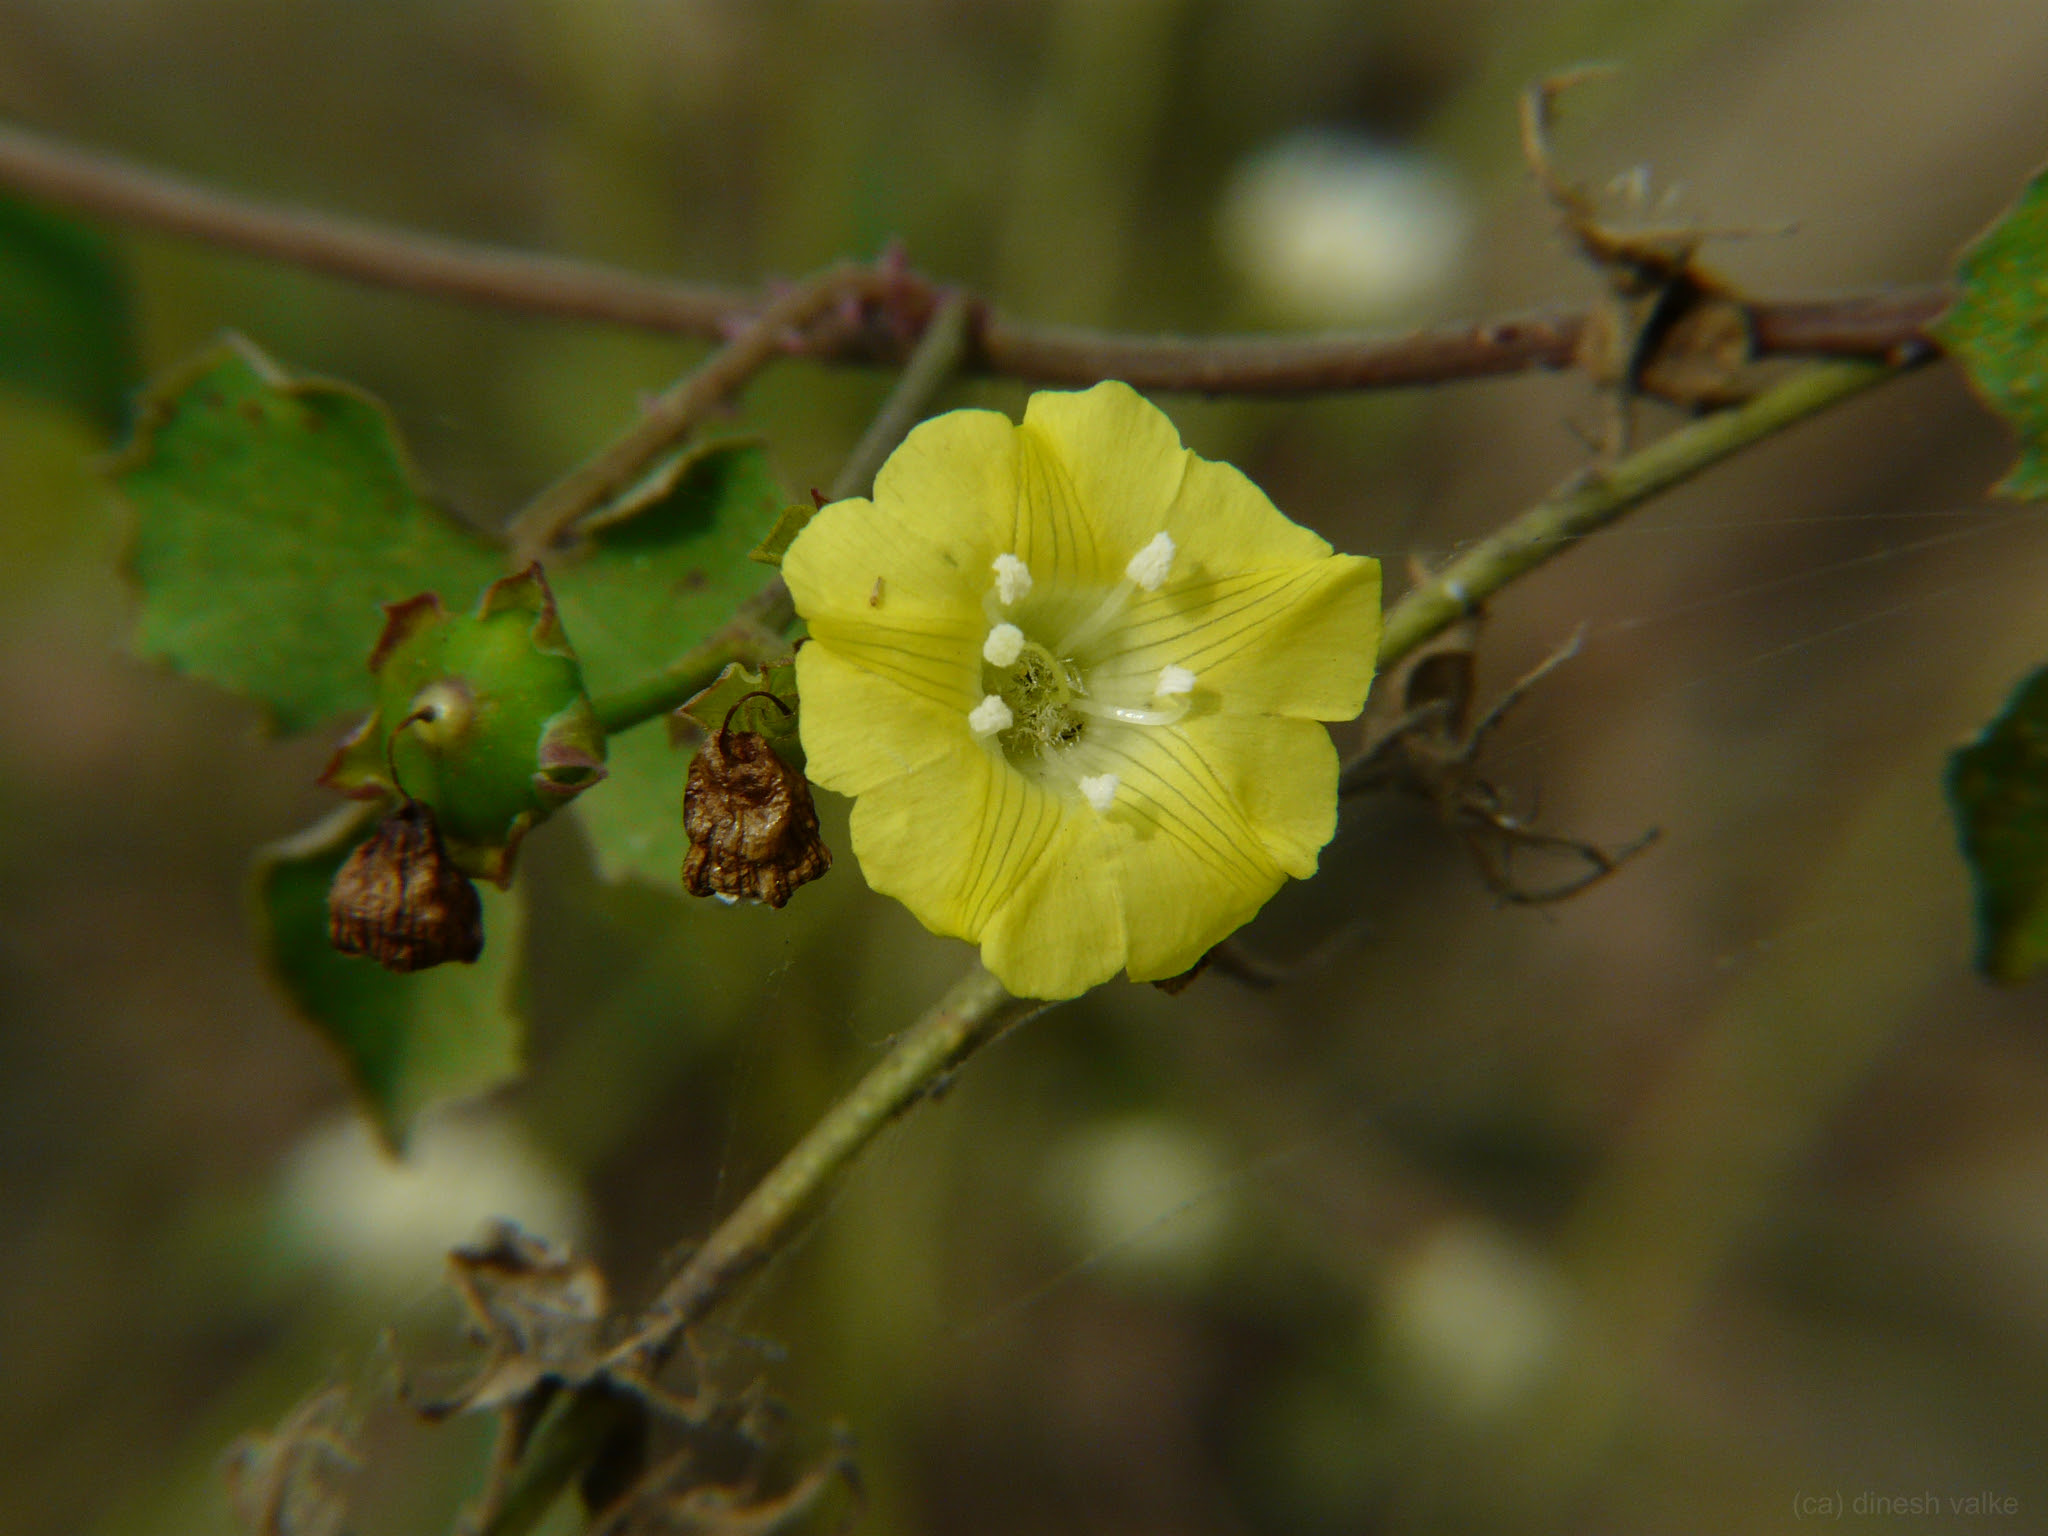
x,y
481,716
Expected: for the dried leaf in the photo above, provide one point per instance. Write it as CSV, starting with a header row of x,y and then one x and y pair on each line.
x,y
679,1497
539,1308
282,1483
1698,351
1666,327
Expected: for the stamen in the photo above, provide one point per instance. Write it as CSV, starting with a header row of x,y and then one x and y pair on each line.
x,y
1005,643
1099,790
1173,680
1126,714
1013,578
1151,565
1148,568
1106,613
990,716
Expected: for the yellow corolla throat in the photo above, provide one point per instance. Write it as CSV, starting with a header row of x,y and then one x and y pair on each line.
x,y
1055,711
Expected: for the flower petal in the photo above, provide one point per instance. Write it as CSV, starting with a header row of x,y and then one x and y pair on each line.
x,y
861,730
1223,524
1299,640
832,566
1062,931
943,502
1178,908
1192,867
953,840
1281,774
1101,469
1252,627
937,658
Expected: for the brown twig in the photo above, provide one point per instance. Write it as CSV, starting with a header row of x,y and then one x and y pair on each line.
x,y
119,190
668,417
756,632
1882,325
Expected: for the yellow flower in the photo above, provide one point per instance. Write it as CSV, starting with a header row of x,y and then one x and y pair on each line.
x,y
1072,674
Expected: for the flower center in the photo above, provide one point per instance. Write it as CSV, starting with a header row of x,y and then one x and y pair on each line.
x,y
1054,710
1042,692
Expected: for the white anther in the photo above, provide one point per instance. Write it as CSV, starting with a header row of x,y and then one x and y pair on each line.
x,y
990,716
1005,643
1099,790
1013,578
1174,680
1149,566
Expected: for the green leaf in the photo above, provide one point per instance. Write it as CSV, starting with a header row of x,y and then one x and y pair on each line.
x,y
647,583
1998,785
273,518
645,586
405,1041
635,817
1998,330
66,328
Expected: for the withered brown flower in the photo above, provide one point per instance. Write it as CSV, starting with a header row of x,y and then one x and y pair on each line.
x,y
400,900
752,827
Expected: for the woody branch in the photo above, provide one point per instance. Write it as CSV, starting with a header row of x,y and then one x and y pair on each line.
x,y
887,315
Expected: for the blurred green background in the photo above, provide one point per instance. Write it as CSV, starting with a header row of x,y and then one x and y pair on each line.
x,y
1721,1186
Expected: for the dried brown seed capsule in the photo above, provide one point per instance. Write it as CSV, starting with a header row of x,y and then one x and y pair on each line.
x,y
400,900
753,830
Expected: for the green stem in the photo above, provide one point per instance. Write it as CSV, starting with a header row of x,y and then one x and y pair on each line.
x,y
745,640
756,633
974,1012
667,418
1603,496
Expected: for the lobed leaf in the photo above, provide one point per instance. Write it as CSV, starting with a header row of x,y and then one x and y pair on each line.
x,y
274,517
405,1041
1998,330
1998,785
634,819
